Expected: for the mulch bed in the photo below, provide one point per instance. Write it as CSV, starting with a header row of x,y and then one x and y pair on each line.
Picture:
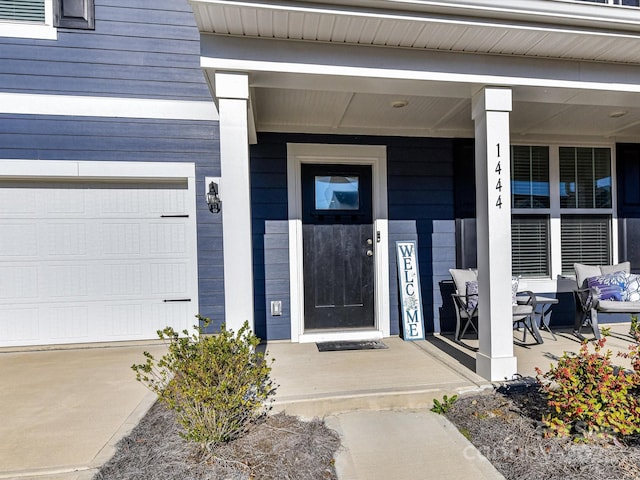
x,y
281,447
505,427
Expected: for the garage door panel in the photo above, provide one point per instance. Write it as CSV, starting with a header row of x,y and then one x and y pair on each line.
x,y
19,326
65,239
18,282
169,279
66,322
98,264
121,279
173,202
65,281
177,314
126,202
17,202
19,240
167,238
120,238
123,321
58,201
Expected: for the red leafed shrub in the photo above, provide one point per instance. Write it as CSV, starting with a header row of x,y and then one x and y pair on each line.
x,y
589,397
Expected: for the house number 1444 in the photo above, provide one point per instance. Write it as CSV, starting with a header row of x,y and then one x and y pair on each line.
x,y
498,170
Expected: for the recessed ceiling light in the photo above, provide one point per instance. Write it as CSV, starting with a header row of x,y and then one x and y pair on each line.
x,y
618,113
399,103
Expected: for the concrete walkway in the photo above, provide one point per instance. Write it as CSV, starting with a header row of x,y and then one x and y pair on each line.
x,y
64,409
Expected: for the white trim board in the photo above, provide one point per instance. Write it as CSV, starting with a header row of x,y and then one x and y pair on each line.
x,y
92,169
376,156
86,106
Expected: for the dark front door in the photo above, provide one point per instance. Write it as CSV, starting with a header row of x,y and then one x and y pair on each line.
x,y
338,245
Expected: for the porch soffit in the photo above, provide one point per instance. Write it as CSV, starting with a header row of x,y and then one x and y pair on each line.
x,y
530,28
569,74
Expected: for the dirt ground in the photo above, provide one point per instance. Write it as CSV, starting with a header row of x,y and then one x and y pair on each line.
x,y
281,447
506,428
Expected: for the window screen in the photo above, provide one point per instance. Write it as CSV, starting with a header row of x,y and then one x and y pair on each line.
x,y
22,10
585,177
585,239
530,177
530,245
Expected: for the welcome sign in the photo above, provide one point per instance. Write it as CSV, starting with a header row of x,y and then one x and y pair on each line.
x,y
410,299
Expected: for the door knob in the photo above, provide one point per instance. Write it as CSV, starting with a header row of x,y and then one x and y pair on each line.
x,y
369,241
369,253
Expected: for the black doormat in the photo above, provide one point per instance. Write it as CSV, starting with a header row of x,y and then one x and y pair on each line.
x,y
354,345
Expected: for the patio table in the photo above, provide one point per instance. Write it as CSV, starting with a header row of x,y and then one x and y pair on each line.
x,y
543,311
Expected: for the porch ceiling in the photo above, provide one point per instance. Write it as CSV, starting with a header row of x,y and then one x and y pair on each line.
x,y
564,33
352,112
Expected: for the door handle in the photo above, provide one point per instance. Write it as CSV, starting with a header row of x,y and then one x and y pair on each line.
x,y
369,241
369,253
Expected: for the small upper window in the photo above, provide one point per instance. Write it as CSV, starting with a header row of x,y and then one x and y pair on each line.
x,y
27,19
337,193
22,11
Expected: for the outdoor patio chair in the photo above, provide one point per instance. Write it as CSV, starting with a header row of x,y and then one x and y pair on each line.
x,y
604,289
465,300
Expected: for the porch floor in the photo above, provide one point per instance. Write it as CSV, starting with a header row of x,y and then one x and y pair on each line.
x,y
406,375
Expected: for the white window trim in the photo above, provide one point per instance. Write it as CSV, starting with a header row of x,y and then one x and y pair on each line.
x,y
40,31
555,283
376,156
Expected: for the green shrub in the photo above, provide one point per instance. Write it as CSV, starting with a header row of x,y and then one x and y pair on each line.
x,y
217,384
589,397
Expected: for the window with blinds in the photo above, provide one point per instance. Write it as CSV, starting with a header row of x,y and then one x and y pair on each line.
x,y
530,245
585,177
22,10
529,176
585,239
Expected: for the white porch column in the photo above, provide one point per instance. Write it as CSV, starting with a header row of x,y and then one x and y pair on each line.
x,y
495,359
232,91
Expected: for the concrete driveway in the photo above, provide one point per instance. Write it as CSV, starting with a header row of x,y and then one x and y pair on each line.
x,y
62,410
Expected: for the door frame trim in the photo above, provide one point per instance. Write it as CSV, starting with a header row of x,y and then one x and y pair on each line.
x,y
376,157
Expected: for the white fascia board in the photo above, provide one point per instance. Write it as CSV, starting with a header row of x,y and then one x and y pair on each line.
x,y
556,15
290,57
363,72
92,169
86,106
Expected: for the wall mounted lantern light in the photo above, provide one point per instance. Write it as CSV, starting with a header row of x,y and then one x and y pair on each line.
x,y
213,200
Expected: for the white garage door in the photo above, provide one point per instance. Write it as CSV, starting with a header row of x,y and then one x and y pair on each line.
x,y
95,261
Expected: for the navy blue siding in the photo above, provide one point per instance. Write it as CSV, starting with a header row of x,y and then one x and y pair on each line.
x,y
140,48
270,238
420,191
